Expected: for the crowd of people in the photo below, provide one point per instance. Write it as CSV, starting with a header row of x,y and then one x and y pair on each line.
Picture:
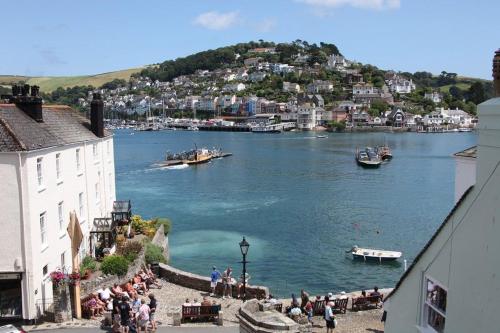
x,y
127,303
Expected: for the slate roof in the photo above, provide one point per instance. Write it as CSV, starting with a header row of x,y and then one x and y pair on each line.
x,y
61,125
469,152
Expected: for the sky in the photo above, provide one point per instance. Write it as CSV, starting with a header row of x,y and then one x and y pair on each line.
x,y
59,38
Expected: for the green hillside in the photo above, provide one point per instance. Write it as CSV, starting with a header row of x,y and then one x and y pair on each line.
x,y
50,83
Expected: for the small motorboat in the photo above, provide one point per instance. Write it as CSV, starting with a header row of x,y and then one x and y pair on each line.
x,y
359,253
321,136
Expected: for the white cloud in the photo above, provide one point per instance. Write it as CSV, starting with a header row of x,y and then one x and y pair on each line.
x,y
265,25
216,21
365,4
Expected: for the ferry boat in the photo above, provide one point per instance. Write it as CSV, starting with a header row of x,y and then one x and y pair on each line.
x,y
384,152
268,128
368,158
365,254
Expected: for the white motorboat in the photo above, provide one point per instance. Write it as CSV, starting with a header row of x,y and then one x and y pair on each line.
x,y
374,254
321,136
268,128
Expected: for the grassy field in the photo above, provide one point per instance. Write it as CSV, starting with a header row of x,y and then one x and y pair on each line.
x,y
50,83
461,85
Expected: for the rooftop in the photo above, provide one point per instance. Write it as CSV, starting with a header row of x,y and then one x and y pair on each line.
x,y
469,152
61,125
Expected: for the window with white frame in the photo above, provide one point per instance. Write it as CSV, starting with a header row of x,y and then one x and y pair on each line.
x,y
43,228
58,165
434,314
94,151
78,161
60,215
81,205
39,170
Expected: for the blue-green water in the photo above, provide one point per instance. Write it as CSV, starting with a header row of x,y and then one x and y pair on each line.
x,y
300,201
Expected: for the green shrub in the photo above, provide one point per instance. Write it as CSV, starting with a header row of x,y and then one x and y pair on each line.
x,y
88,263
131,250
154,253
115,265
167,224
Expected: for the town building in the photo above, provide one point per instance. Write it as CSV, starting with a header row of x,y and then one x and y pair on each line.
x,y
434,96
234,87
291,87
318,86
53,161
452,284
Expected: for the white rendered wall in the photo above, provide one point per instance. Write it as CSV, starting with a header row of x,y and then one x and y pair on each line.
x,y
465,175
37,288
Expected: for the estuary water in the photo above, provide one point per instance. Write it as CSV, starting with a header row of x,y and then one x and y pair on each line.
x,y
301,202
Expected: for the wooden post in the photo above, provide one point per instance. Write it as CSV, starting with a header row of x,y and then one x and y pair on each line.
x,y
76,289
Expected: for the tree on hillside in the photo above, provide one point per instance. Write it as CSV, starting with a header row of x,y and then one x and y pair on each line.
x,y
114,84
476,93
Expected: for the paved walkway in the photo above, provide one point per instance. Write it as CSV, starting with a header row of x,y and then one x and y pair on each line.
x,y
172,296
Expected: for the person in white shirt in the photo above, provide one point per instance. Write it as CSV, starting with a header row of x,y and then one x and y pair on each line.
x,y
186,303
329,319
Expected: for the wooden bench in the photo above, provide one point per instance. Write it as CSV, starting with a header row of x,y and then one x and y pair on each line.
x,y
278,307
319,307
363,303
200,312
340,305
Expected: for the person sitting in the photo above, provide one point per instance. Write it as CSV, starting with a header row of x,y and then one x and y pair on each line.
x,y
196,303
139,285
343,295
105,294
205,301
295,311
129,288
187,303
117,290
95,306
375,292
148,279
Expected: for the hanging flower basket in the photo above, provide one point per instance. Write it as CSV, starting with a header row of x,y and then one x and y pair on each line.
x,y
58,278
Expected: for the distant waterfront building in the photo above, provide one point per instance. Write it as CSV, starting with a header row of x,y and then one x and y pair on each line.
x,y
52,162
453,284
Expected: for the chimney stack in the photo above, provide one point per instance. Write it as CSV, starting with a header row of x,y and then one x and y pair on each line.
x,y
496,73
30,103
97,115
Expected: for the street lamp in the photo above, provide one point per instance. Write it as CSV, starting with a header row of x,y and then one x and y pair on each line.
x,y
244,250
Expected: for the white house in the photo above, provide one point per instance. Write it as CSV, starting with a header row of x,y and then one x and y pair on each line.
x,y
318,86
291,87
337,62
457,117
52,162
234,87
434,96
453,284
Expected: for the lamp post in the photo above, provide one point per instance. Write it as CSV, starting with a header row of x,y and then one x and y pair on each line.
x,y
244,250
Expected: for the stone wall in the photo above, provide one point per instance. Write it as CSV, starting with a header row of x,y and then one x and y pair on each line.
x,y
202,283
93,284
162,241
62,303
255,319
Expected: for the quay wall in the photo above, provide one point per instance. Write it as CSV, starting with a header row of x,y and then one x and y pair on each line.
x,y
356,129
202,283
